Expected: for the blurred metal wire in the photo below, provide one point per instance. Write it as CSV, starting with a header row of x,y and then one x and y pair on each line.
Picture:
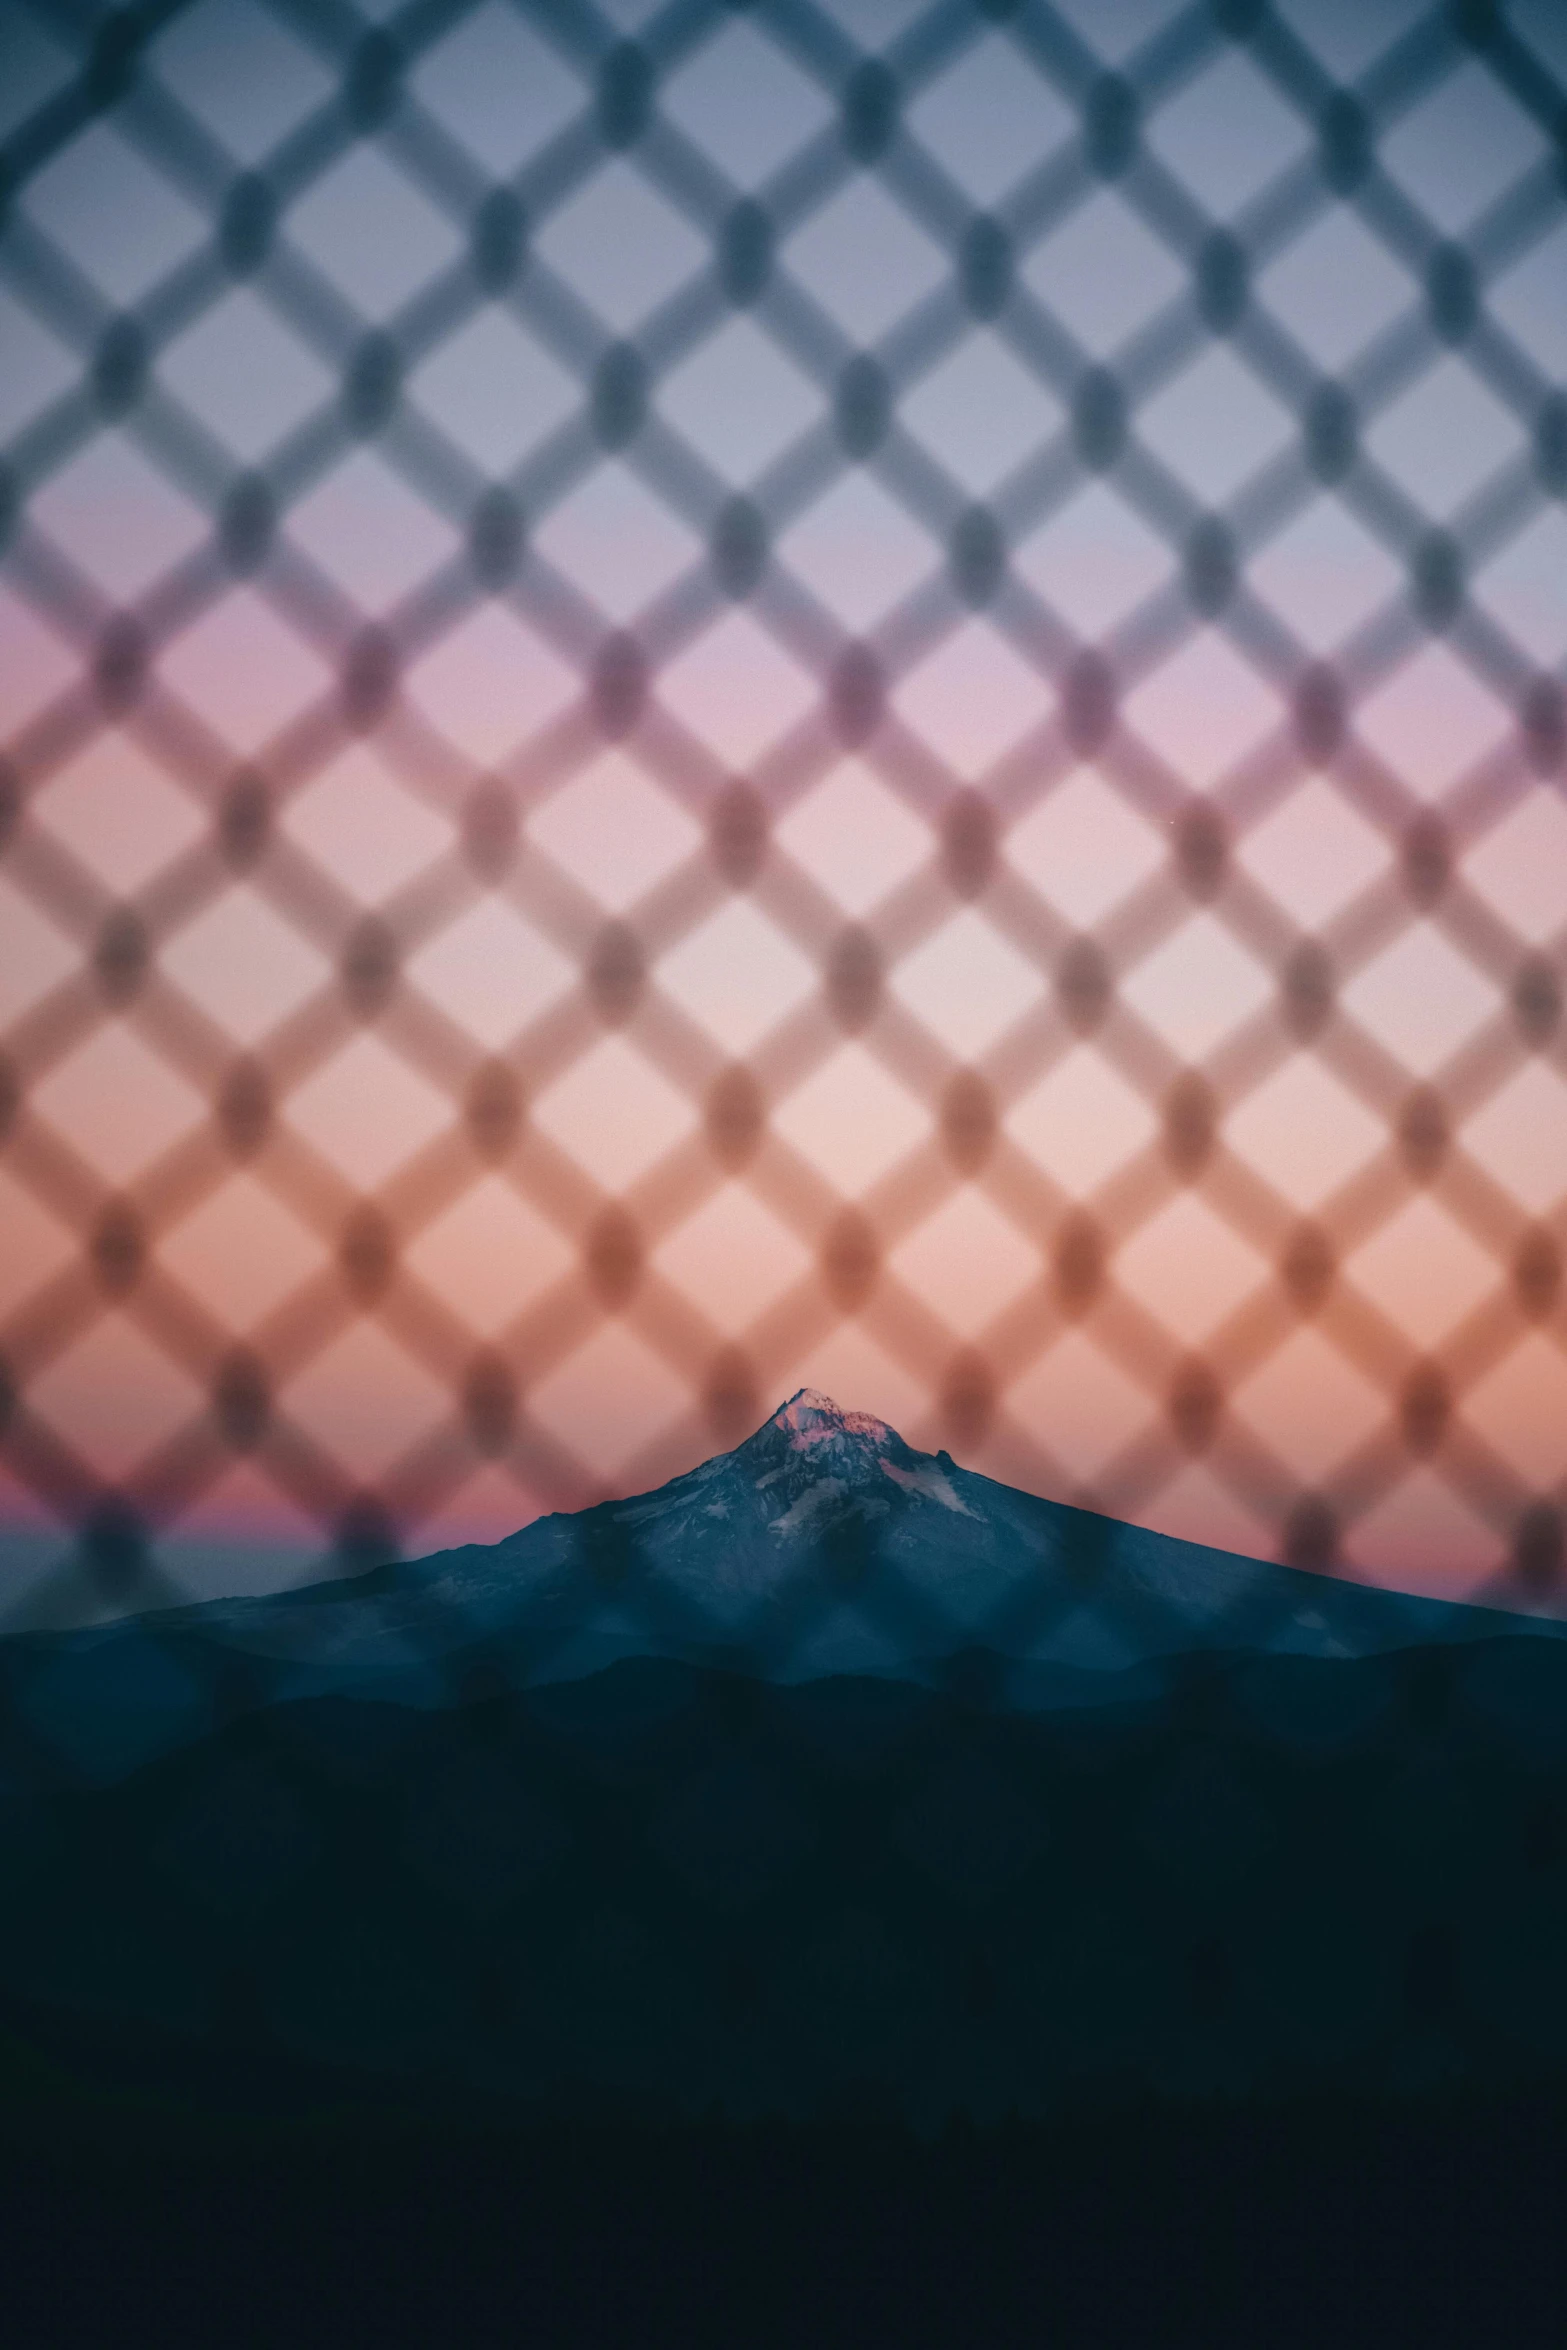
x,y
255,1017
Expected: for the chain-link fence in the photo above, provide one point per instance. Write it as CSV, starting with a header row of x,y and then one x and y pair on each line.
x,y
701,698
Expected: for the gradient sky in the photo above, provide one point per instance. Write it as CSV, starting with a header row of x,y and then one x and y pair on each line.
x,y
624,915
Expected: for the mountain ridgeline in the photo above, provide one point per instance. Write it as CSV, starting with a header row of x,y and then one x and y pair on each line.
x,y
829,1772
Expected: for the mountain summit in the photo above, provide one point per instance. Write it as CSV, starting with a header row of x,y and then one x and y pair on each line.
x,y
823,1544
823,1465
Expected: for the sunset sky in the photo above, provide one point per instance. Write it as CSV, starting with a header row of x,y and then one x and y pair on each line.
x,y
695,701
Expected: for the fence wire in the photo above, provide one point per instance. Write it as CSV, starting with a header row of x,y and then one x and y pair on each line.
x,y
605,614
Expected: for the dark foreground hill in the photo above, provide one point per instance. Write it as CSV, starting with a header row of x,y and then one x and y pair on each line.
x,y
667,1890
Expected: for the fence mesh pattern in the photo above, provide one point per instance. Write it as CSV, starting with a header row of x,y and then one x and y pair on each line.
x,y
701,697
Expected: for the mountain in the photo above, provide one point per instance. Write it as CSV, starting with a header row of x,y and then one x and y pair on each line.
x,y
823,1544
830,1770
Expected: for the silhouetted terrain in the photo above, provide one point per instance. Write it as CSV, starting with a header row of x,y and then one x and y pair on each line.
x,y
848,2009
666,1888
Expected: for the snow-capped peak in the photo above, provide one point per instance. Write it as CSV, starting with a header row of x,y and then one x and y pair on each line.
x,y
855,1444
810,1418
819,1464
